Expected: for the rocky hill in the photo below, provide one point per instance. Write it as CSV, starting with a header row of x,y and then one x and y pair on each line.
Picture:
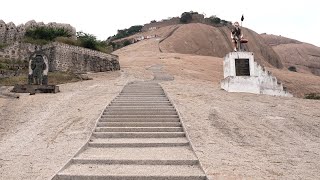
x,y
209,41
202,39
303,56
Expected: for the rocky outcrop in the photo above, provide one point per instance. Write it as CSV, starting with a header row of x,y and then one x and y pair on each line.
x,y
202,39
304,57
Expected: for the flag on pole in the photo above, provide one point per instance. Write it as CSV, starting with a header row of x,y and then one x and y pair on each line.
x,y
242,18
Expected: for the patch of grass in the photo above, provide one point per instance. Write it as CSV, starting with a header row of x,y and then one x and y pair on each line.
x,y
105,49
67,40
62,77
35,41
312,96
53,77
3,45
10,81
292,68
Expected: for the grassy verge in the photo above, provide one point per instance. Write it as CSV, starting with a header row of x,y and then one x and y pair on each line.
x,y
53,77
312,96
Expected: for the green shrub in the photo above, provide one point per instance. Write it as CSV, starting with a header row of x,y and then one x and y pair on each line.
x,y
35,41
312,96
122,33
87,40
105,49
67,40
292,68
186,17
46,33
215,20
2,45
126,43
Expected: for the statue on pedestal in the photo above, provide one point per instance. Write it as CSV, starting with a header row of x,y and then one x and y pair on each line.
x,y
37,66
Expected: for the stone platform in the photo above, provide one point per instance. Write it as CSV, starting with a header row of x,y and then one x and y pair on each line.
x,y
27,88
243,74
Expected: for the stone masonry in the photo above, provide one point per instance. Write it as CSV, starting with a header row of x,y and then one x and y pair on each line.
x,y
10,33
63,57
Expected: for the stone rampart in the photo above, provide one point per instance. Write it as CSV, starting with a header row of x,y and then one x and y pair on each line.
x,y
10,33
78,59
63,57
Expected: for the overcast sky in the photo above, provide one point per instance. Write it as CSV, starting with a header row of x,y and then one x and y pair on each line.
x,y
297,19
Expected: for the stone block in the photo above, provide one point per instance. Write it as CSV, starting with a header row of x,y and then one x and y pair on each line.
x,y
26,88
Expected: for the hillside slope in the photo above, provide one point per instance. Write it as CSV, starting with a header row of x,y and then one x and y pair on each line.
x,y
305,57
194,39
201,39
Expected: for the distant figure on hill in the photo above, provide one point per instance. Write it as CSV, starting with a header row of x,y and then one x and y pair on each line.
x,y
236,36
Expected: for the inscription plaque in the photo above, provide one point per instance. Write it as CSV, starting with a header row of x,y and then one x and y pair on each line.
x,y
242,67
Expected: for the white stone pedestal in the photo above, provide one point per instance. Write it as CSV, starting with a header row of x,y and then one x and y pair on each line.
x,y
242,74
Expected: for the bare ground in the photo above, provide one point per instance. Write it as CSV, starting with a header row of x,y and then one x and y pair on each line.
x,y
235,135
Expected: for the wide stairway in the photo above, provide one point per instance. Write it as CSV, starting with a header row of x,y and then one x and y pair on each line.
x,y
138,137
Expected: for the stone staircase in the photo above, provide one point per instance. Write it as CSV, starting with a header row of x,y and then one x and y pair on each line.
x,y
138,137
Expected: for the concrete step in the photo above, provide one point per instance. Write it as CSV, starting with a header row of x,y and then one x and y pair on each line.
x,y
139,119
138,129
144,91
140,113
94,171
139,116
143,153
138,124
137,145
133,162
160,104
141,101
141,95
138,142
138,134
143,108
132,108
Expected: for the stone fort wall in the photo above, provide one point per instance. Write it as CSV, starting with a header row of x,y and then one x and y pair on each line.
x,y
63,57
10,33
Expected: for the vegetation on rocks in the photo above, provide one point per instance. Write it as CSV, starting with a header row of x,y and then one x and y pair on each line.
x,y
122,33
53,77
45,35
186,17
312,96
292,68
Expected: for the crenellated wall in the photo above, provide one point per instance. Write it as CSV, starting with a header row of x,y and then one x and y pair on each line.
x,y
10,33
63,57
